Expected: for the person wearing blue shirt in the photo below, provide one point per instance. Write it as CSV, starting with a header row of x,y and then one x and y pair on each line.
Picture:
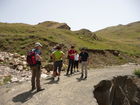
x,y
36,71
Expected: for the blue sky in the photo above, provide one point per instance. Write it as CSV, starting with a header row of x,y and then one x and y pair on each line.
x,y
89,14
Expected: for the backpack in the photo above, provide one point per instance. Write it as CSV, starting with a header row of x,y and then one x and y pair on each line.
x,y
31,59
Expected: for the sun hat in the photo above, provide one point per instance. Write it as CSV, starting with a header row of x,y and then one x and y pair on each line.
x,y
38,44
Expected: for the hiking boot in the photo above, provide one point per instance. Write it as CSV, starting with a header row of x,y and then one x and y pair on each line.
x,y
72,73
58,78
53,78
38,90
67,73
33,88
81,76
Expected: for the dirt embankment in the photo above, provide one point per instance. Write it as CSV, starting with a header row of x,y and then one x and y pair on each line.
x,y
102,58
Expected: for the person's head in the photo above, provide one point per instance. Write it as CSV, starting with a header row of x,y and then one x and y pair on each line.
x,y
72,47
83,50
38,45
58,47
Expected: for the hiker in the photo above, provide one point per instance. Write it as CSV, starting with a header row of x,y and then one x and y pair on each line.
x,y
36,71
71,54
57,57
76,61
84,62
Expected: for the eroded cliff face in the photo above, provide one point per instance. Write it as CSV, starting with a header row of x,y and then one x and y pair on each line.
x,y
122,90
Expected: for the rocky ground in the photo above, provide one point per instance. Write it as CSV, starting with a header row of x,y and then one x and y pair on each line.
x,y
68,91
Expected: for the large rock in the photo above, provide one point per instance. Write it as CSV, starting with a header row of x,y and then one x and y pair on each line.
x,y
87,33
119,91
49,67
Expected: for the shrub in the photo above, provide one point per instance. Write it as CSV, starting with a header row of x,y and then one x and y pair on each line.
x,y
7,79
137,72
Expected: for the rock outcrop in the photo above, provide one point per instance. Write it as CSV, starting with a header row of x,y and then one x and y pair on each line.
x,y
122,90
14,68
15,60
49,67
55,25
87,33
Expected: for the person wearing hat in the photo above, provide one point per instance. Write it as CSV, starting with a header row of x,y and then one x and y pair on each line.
x,y
57,57
36,71
84,61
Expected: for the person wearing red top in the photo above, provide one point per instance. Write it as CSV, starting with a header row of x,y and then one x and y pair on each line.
x,y
71,54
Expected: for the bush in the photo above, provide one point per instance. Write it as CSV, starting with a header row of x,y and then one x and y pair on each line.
x,y
137,72
7,79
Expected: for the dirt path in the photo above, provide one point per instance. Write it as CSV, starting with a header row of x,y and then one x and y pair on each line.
x,y
68,91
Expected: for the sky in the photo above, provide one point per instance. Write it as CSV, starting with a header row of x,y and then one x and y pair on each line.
x,y
90,14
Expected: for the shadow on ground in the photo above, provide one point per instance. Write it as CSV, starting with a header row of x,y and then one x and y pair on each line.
x,y
23,97
52,81
81,79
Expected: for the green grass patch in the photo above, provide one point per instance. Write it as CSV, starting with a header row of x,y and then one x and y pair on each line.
x,y
137,72
7,79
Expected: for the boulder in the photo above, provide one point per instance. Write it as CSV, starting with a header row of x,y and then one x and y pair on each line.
x,y
122,90
87,33
44,76
49,67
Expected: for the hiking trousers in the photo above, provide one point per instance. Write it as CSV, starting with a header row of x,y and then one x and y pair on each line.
x,y
36,73
84,67
76,64
70,66
57,67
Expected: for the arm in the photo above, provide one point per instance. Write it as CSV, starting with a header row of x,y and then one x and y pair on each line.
x,y
38,57
53,57
87,58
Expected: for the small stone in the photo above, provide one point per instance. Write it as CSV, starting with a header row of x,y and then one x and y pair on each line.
x,y
44,76
20,67
14,79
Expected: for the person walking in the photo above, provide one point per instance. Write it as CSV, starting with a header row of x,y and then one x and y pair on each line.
x,y
57,57
84,62
71,54
36,70
76,61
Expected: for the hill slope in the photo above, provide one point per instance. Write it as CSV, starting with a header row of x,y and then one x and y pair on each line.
x,y
20,38
123,37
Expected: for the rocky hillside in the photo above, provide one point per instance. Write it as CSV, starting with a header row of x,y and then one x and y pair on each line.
x,y
13,68
87,33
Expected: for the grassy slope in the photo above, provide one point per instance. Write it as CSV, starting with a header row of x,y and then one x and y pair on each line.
x,y
122,37
17,37
20,37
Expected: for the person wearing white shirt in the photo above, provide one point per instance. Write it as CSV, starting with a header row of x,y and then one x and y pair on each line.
x,y
76,61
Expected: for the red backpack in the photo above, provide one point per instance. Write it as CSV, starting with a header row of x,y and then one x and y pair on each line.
x,y
31,59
